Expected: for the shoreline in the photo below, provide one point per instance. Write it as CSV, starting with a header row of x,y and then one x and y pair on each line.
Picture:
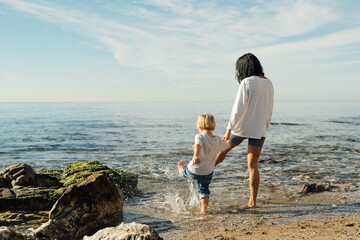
x,y
294,219
340,227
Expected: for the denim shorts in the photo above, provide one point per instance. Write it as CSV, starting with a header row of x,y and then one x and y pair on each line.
x,y
252,141
203,182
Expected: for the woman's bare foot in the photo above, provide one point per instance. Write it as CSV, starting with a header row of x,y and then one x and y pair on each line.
x,y
250,204
247,206
181,167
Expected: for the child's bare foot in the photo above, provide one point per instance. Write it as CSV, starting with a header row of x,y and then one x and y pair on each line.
x,y
203,212
181,167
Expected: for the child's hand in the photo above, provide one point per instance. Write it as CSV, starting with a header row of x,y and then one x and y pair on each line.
x,y
196,160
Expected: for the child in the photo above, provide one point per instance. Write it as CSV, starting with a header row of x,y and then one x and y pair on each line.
x,y
206,147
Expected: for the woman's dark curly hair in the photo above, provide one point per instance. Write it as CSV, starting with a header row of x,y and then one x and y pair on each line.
x,y
248,65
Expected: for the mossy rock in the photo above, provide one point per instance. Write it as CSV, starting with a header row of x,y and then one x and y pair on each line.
x,y
127,181
77,172
51,172
86,166
43,198
11,218
31,199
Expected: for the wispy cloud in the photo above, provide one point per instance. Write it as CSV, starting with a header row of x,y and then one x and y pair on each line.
x,y
179,38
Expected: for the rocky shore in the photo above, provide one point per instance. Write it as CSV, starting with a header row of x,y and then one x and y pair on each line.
x,y
85,201
54,204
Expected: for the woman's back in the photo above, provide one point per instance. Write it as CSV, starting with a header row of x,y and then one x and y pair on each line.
x,y
253,107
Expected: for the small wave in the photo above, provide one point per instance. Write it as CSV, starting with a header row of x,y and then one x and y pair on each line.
x,y
60,148
351,121
76,134
339,121
287,124
161,154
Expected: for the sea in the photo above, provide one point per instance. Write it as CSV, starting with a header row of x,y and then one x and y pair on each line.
x,y
307,143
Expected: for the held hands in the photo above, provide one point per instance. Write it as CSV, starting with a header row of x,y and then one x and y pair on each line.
x,y
196,160
226,136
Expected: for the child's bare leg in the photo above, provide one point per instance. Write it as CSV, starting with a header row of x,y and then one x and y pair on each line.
x,y
204,204
221,156
181,167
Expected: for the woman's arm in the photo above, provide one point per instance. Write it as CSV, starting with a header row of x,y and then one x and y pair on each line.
x,y
240,105
270,106
226,136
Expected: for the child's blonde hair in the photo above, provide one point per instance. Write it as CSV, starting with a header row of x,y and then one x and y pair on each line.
x,y
206,121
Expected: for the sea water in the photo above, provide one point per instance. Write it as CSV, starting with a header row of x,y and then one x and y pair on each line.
x,y
306,143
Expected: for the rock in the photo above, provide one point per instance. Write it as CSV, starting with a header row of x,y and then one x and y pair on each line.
x,y
51,172
310,188
126,231
27,190
19,175
6,192
77,172
3,182
43,180
10,234
29,198
23,175
83,209
10,218
47,188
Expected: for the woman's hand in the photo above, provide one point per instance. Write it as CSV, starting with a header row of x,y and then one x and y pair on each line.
x,y
226,136
196,160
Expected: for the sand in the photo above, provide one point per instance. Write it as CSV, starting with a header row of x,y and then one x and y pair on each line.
x,y
342,227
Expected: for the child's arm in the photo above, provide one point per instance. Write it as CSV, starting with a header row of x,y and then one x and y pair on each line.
x,y
196,159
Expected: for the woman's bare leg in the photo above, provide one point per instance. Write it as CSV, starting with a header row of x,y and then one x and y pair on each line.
x,y
254,176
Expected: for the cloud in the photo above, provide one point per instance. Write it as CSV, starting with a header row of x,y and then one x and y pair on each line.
x,y
330,43
199,39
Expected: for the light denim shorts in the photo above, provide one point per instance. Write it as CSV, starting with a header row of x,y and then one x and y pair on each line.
x,y
252,141
203,182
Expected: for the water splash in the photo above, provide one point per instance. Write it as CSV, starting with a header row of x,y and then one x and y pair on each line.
x,y
176,203
193,200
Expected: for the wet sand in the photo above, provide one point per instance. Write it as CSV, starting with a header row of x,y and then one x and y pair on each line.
x,y
343,227
301,218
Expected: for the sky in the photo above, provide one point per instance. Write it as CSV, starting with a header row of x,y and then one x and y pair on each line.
x,y
176,51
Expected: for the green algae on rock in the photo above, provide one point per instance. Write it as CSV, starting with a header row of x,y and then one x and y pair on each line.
x,y
51,172
21,201
127,181
78,172
10,218
31,199
49,184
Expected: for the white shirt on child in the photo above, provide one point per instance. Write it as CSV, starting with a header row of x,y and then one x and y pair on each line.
x,y
252,109
210,147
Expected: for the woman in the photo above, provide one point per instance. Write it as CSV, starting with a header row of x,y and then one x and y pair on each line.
x,y
250,116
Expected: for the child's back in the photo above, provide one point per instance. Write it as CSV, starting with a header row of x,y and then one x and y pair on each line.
x,y
210,147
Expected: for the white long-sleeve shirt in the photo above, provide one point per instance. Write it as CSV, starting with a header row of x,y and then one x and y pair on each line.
x,y
252,109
